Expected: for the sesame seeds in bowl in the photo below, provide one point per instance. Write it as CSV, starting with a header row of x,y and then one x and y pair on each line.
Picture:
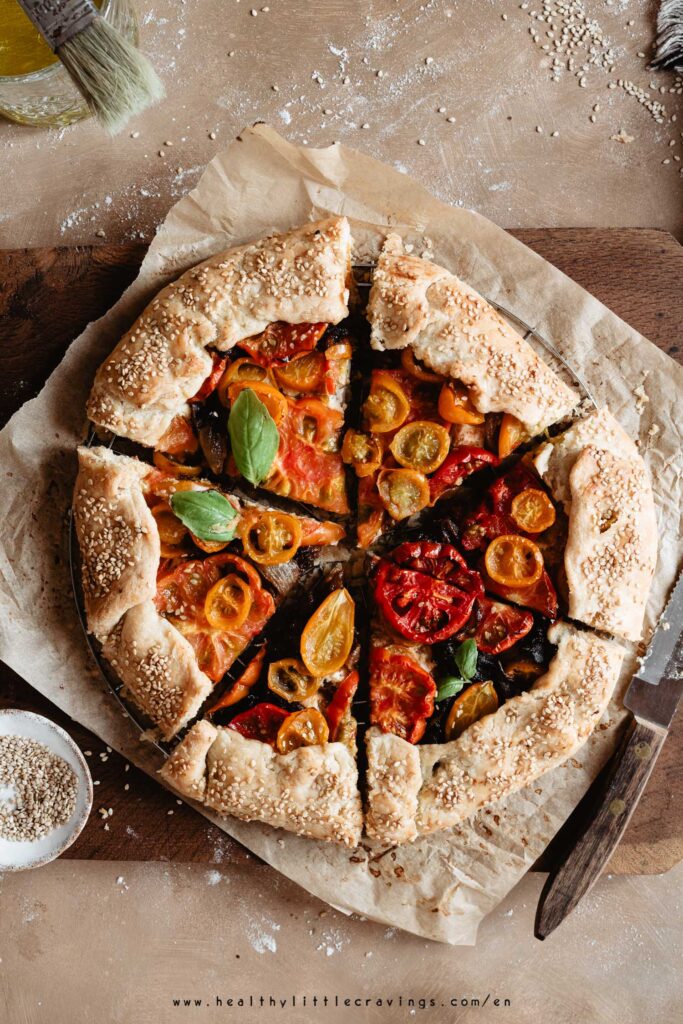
x,y
46,790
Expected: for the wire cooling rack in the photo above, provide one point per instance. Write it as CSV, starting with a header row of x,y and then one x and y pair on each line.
x,y
363,281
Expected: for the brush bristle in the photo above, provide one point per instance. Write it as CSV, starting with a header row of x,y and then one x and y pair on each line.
x,y
116,79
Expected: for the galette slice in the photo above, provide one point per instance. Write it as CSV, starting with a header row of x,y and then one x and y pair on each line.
x,y
470,698
179,578
286,754
572,525
455,389
265,287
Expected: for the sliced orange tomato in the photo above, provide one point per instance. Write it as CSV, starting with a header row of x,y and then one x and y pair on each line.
x,y
178,469
282,341
179,438
171,530
304,373
387,406
314,532
305,472
327,638
514,561
274,401
227,604
371,514
362,451
523,671
306,728
532,510
403,492
455,405
314,421
416,369
421,445
238,372
243,685
270,538
512,433
470,706
290,679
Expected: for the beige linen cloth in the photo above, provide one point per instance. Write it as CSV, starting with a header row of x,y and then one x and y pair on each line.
x,y
442,886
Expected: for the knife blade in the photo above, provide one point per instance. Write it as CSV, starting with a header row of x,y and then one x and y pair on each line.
x,y
655,690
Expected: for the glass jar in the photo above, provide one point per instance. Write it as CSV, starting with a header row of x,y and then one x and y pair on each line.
x,y
47,98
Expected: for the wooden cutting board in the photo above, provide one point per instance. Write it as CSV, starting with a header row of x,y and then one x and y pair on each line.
x,y
47,296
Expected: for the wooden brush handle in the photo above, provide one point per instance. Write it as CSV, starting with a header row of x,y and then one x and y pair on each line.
x,y
584,861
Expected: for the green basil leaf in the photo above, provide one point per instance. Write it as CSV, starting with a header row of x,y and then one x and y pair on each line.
x,y
466,658
254,437
207,514
448,687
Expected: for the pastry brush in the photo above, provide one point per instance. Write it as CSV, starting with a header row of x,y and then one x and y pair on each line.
x,y
115,79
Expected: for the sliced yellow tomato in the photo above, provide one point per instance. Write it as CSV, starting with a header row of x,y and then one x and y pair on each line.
x,y
171,530
523,671
270,538
421,445
412,366
532,510
274,401
512,433
477,700
387,406
305,373
315,422
455,405
238,372
167,465
328,635
362,451
306,728
340,350
403,492
228,602
514,561
290,679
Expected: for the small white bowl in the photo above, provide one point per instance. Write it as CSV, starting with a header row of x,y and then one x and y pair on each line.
x,y
18,856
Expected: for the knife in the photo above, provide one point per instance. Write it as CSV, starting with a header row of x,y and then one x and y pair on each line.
x,y
652,697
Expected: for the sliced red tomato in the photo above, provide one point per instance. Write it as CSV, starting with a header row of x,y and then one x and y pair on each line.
x,y
500,626
541,596
341,703
180,597
440,561
462,461
281,341
420,608
481,528
211,382
305,472
401,695
505,488
493,516
261,722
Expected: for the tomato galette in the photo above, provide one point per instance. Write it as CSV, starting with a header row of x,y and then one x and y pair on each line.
x,y
393,540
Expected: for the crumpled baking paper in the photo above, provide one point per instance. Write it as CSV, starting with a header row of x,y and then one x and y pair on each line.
x,y
439,887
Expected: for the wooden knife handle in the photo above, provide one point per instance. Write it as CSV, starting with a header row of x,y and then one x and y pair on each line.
x,y
581,866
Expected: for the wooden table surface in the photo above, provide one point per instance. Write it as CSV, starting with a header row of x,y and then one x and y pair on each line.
x,y
636,272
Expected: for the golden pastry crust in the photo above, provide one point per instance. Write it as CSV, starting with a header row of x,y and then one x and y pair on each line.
x,y
503,752
393,779
298,277
457,333
158,667
312,791
117,535
595,470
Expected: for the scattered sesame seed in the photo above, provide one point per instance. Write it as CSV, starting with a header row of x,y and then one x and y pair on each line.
x,y
212,135
421,142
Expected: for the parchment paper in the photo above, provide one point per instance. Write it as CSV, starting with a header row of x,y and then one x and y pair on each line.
x,y
440,887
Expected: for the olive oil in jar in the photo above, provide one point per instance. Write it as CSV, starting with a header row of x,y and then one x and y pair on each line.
x,y
22,48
